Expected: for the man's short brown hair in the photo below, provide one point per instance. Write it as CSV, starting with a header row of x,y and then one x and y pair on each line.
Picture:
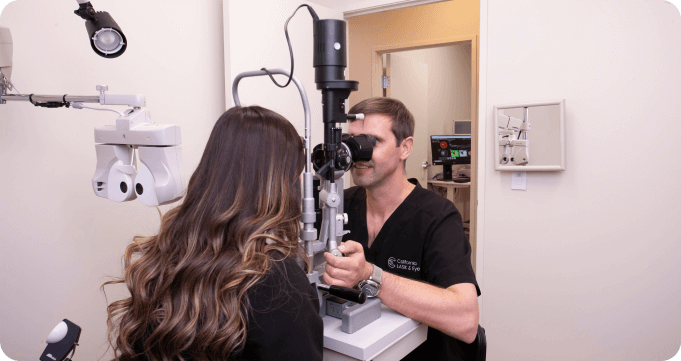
x,y
403,120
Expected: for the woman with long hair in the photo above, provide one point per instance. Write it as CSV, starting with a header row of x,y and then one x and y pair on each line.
x,y
219,281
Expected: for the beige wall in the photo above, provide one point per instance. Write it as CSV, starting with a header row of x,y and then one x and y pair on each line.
x,y
584,265
444,20
58,241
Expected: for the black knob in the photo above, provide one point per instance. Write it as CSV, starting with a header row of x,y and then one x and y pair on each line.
x,y
349,294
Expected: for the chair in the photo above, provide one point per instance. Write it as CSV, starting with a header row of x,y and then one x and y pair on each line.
x,y
481,344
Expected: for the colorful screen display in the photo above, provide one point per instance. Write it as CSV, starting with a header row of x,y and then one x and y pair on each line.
x,y
451,149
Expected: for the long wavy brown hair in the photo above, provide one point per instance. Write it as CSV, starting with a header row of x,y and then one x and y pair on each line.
x,y
188,284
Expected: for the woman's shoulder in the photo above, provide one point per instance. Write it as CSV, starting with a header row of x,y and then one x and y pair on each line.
x,y
285,267
284,322
283,285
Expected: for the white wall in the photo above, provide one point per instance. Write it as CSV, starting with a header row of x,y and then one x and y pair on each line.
x,y
584,264
58,241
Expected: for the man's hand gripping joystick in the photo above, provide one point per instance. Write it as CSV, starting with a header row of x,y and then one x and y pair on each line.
x,y
349,270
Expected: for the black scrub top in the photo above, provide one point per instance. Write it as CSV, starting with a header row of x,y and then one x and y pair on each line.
x,y
284,323
422,240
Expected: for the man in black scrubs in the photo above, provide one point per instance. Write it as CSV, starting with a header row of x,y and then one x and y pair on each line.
x,y
406,244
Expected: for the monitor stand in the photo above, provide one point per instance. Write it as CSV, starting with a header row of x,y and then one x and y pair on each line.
x,y
447,176
446,173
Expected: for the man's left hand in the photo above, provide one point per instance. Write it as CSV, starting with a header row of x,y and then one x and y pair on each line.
x,y
349,270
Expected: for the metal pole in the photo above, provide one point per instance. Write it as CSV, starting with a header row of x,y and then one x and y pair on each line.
x,y
51,98
308,233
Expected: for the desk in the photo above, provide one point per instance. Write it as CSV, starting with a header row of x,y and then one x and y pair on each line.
x,y
450,187
391,337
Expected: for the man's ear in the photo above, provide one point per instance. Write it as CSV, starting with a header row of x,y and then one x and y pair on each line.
x,y
406,147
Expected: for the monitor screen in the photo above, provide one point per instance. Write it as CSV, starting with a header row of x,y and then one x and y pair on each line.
x,y
451,149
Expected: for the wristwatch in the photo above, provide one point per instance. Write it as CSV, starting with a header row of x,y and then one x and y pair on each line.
x,y
372,285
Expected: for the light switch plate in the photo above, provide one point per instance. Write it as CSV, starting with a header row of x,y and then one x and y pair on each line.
x,y
519,181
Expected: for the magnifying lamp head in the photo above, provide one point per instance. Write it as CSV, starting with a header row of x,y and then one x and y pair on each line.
x,y
106,37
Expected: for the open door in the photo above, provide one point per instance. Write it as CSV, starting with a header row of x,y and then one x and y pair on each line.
x,y
438,84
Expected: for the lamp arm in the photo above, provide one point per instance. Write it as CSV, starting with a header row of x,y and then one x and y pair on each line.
x,y
135,101
85,10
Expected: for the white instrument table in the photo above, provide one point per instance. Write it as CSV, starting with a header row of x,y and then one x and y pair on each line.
x,y
391,337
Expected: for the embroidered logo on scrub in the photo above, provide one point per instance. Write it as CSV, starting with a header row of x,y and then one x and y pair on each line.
x,y
403,264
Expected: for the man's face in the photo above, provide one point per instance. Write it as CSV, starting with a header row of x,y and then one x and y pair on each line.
x,y
387,156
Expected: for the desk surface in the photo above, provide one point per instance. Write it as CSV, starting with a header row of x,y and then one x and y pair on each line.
x,y
449,183
374,338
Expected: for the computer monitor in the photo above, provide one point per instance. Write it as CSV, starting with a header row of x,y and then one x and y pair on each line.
x,y
449,150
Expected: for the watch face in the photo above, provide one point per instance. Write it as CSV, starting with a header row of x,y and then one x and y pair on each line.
x,y
370,290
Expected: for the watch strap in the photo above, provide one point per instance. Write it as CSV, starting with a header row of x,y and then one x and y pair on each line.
x,y
376,274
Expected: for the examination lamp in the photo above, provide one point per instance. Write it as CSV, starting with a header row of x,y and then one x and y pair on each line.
x,y
330,160
106,37
336,154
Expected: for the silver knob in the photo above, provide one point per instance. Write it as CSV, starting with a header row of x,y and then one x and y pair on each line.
x,y
102,88
425,165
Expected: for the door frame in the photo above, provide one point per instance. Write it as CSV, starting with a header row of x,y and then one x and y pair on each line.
x,y
377,91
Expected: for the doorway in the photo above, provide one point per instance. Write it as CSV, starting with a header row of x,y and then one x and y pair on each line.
x,y
438,85
434,84
420,27
385,43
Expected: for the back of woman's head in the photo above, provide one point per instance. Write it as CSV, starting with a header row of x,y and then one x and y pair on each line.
x,y
188,284
248,175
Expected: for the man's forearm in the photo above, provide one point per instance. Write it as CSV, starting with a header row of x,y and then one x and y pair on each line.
x,y
453,311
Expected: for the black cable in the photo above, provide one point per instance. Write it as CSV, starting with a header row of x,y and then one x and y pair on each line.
x,y
288,40
63,103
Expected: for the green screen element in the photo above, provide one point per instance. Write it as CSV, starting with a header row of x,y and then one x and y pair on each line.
x,y
455,153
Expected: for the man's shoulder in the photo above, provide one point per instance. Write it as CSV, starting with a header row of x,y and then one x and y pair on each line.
x,y
430,203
